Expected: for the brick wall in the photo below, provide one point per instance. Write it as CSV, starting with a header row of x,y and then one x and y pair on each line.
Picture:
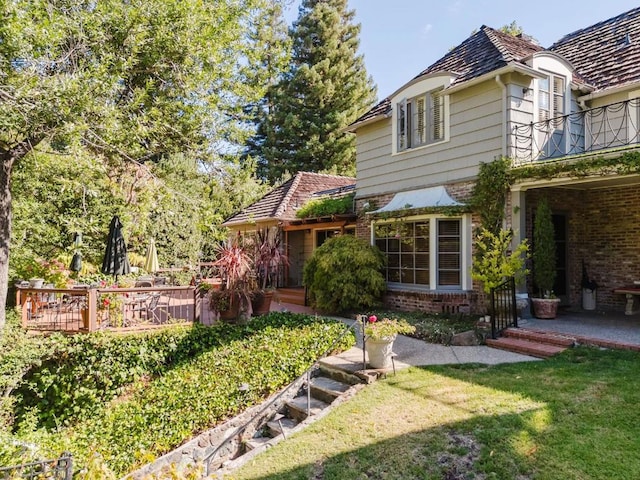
x,y
604,231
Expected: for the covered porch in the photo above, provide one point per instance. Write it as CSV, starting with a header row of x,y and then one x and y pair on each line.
x,y
597,227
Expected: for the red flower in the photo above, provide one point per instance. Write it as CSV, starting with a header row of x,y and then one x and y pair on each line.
x,y
373,319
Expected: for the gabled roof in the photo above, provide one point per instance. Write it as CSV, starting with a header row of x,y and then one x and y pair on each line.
x,y
606,54
282,202
481,53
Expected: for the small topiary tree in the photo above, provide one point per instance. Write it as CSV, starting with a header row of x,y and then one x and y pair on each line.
x,y
345,273
544,250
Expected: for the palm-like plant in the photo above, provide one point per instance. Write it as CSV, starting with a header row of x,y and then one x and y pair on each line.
x,y
234,266
268,257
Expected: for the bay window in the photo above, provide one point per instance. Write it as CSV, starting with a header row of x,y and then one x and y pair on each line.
x,y
424,253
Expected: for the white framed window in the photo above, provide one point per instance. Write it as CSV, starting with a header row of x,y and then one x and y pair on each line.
x,y
551,97
420,120
425,253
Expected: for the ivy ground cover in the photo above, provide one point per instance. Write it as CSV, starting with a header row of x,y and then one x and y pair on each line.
x,y
157,413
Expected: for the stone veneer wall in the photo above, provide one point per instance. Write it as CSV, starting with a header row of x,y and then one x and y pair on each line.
x,y
604,231
428,301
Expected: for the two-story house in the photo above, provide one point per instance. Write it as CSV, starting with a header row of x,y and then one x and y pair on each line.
x,y
567,116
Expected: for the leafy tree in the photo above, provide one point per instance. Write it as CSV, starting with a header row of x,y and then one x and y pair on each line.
x,y
133,81
325,90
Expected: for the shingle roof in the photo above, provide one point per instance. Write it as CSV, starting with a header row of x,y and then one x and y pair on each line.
x,y
483,52
606,54
281,202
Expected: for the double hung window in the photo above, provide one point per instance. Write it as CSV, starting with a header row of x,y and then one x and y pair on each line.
x,y
420,120
551,91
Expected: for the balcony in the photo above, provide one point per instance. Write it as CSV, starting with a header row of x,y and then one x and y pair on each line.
x,y
598,130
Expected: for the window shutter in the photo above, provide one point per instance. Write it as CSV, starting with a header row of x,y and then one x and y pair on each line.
x,y
558,96
437,115
421,126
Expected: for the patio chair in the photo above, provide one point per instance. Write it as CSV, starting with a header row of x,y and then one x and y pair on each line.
x,y
154,310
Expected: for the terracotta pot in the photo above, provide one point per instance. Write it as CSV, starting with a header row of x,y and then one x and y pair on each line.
x,y
379,352
545,308
231,313
261,303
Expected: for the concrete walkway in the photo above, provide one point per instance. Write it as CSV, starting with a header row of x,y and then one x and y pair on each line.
x,y
613,329
413,352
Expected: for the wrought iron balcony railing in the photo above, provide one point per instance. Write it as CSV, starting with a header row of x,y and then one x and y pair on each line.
x,y
595,130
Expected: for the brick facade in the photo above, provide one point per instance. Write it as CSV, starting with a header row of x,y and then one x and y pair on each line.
x,y
603,230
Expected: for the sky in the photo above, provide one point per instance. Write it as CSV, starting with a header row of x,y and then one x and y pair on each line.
x,y
400,38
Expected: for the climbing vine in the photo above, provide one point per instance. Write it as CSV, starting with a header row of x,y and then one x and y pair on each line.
x,y
627,163
490,193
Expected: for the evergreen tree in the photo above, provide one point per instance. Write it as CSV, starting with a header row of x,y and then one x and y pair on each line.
x,y
325,90
265,68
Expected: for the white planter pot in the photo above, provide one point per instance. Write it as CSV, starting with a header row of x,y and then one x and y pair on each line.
x,y
379,352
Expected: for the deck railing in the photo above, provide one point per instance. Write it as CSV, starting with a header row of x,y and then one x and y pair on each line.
x,y
612,126
91,309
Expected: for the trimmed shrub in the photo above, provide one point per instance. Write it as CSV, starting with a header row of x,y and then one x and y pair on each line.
x,y
345,274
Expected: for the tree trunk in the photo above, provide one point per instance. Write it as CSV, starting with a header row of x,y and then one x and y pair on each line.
x,y
7,158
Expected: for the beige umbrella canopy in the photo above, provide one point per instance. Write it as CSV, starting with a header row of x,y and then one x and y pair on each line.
x,y
151,263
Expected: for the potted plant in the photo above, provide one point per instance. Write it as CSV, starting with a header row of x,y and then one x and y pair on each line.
x,y
544,263
269,257
379,337
234,266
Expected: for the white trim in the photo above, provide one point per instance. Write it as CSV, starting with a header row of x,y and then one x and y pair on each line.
x,y
465,251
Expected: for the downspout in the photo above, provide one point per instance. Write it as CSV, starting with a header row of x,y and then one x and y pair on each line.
x,y
503,87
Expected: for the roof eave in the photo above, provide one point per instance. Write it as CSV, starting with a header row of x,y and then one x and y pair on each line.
x,y
354,126
609,91
509,68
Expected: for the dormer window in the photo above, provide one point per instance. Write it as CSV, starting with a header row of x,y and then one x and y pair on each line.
x,y
551,93
420,120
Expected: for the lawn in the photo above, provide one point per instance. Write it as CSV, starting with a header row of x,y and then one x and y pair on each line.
x,y
572,417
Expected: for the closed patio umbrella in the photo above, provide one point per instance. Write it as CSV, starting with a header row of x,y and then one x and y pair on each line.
x,y
115,260
76,261
151,263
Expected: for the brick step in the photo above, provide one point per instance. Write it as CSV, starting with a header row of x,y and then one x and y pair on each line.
x,y
292,296
526,347
540,337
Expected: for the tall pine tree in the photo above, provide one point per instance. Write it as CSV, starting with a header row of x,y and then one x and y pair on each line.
x,y
325,90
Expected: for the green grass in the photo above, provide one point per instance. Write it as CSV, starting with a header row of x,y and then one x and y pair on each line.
x,y
575,417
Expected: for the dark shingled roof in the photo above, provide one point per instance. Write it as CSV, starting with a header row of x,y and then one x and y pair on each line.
x,y
481,53
281,202
606,54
